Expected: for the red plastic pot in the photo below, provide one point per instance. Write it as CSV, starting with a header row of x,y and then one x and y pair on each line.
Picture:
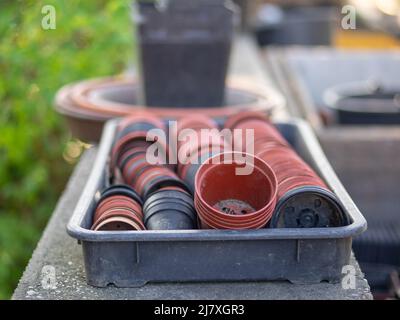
x,y
118,212
223,223
217,181
117,202
233,121
196,122
291,171
117,223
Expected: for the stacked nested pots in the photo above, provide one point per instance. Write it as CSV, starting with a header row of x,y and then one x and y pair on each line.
x,y
304,200
119,208
131,155
226,199
167,201
194,147
261,182
170,208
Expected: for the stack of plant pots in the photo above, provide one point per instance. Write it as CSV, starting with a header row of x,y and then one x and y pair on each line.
x,y
88,104
130,155
304,200
215,183
191,155
170,208
119,208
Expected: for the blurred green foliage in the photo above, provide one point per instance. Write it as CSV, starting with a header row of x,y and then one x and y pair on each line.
x,y
92,38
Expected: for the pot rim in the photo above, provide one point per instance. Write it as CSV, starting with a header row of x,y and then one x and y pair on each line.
x,y
267,172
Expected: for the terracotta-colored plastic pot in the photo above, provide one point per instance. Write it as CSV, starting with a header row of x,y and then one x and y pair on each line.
x,y
117,202
87,105
223,223
234,120
196,122
111,96
119,208
217,183
120,190
304,200
117,223
131,153
120,212
128,141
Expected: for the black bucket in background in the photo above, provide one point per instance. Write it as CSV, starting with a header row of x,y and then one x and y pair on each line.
x,y
364,103
184,51
308,26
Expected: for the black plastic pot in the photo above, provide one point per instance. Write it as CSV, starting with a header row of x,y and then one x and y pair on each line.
x,y
170,210
184,51
364,103
309,207
296,26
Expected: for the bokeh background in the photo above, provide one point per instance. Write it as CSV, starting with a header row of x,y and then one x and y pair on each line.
x,y
92,38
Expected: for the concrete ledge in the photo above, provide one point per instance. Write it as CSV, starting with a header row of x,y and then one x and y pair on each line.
x,y
60,251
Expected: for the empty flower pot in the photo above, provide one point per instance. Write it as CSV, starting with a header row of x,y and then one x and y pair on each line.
x,y
119,208
170,209
184,51
309,207
226,200
88,104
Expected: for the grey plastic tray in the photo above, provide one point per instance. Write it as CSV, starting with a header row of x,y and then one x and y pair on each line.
x,y
133,258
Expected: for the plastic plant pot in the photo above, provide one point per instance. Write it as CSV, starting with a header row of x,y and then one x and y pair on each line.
x,y
118,208
196,122
120,212
188,171
169,220
128,141
190,40
364,103
163,182
170,210
122,190
129,159
117,224
88,104
309,25
309,207
168,193
217,181
241,211
233,121
106,98
133,167
292,173
219,223
114,202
